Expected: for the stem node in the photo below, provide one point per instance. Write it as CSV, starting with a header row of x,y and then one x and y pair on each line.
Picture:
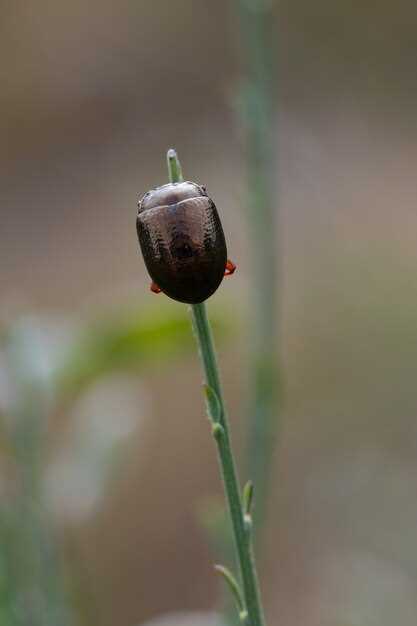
x,y
218,432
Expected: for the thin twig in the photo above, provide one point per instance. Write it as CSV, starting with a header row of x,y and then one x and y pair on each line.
x,y
258,112
217,413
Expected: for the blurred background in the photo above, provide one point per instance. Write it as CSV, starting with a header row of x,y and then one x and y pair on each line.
x,y
108,475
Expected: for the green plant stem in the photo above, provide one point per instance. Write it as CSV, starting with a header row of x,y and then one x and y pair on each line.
x,y
242,538
241,530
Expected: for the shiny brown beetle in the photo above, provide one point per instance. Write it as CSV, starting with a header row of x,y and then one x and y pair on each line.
x,y
182,242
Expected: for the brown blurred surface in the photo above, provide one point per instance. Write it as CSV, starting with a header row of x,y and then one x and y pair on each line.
x,y
92,96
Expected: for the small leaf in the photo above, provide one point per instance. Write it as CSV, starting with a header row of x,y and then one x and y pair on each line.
x,y
233,586
214,408
247,497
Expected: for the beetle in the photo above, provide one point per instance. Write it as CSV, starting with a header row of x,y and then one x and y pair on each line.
x,y
182,241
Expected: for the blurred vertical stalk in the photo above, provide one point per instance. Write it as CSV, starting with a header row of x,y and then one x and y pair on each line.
x,y
36,587
257,110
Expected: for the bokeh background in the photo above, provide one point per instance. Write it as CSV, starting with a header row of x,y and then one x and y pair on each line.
x,y
108,472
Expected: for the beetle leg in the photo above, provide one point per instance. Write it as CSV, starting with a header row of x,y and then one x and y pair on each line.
x,y
230,268
154,288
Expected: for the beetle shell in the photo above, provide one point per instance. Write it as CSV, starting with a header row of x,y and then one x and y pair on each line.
x,y
182,241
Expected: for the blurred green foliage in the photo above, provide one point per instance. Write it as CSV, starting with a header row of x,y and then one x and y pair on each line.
x,y
42,367
130,341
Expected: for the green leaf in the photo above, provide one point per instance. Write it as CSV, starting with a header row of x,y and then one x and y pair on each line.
x,y
214,408
247,497
233,586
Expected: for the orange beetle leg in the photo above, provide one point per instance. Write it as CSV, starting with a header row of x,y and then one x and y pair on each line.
x,y
230,268
155,288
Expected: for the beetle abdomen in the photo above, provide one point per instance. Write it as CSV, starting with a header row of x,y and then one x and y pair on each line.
x,y
182,241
